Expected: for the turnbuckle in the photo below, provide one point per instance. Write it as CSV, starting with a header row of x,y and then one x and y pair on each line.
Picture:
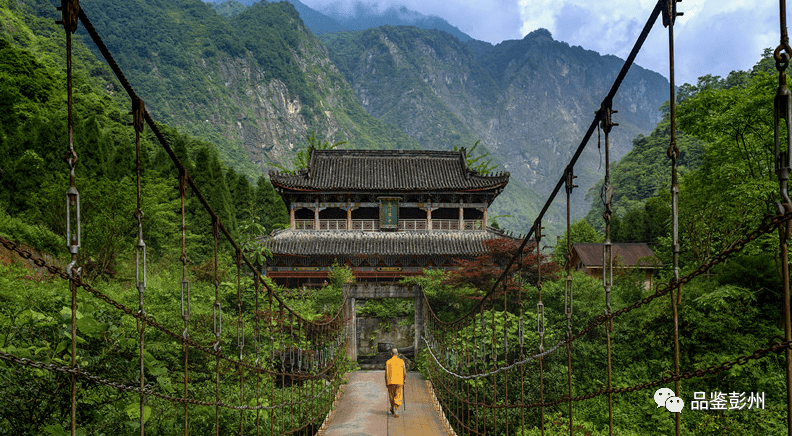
x,y
783,157
670,12
70,11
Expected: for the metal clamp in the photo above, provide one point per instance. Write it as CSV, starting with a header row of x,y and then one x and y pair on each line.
x,y
670,12
70,11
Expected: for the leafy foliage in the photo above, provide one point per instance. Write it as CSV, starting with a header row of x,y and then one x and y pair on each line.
x,y
34,175
301,161
582,232
477,163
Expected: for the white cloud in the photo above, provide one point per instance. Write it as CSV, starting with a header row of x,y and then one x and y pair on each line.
x,y
486,20
713,36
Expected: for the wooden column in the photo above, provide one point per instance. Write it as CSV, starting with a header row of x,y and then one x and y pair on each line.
x,y
486,222
429,217
292,223
349,216
316,217
461,215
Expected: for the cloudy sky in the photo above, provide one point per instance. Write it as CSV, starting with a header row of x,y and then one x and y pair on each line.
x,y
713,36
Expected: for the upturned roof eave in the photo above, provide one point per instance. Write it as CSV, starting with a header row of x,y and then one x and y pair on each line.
x,y
279,185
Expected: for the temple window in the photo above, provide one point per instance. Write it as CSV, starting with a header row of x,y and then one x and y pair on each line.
x,y
332,218
412,218
304,219
365,218
445,218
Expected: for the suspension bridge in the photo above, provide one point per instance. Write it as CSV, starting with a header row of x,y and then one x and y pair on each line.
x,y
489,373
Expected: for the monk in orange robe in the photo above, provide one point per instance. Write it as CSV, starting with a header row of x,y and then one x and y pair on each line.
x,y
395,375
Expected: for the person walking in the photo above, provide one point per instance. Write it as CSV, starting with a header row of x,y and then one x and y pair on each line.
x,y
395,376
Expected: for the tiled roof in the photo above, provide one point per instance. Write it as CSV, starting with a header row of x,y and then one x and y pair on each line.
x,y
624,254
346,243
387,170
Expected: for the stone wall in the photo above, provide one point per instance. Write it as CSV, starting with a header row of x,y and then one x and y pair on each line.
x,y
399,331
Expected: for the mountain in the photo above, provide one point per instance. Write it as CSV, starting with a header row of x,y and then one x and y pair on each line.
x,y
529,101
360,16
364,16
255,83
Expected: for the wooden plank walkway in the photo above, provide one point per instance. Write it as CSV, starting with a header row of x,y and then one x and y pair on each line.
x,y
362,409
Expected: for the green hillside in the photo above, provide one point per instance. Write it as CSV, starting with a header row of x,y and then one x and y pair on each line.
x,y
33,144
255,84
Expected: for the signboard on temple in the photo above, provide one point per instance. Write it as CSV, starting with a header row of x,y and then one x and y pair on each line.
x,y
389,213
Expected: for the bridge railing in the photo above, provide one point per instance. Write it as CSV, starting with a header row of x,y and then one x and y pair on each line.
x,y
287,368
507,368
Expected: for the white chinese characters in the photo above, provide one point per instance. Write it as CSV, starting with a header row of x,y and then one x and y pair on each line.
x,y
727,401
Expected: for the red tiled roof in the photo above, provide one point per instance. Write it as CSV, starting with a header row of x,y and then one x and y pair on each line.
x,y
624,254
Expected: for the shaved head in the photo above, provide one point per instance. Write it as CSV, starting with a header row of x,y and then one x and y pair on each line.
x,y
395,352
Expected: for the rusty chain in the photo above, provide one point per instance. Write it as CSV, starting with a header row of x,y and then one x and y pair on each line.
x,y
147,390
776,347
149,319
769,225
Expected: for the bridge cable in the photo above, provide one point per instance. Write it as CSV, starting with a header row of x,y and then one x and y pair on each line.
x,y
540,318
606,195
569,185
783,165
669,18
186,306
72,15
69,10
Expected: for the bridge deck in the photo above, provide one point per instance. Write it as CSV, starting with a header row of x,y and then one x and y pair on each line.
x,y
363,409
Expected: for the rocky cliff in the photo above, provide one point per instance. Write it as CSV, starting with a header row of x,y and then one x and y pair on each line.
x,y
528,101
255,84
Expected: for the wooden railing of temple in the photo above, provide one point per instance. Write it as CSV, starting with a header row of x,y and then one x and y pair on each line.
x,y
404,224
507,367
288,369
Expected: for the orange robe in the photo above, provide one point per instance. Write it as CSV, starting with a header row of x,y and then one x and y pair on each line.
x,y
394,379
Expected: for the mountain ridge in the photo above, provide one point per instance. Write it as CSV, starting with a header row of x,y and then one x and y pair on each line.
x,y
256,83
529,101
362,16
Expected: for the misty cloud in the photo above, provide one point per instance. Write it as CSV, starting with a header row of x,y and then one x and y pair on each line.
x,y
713,37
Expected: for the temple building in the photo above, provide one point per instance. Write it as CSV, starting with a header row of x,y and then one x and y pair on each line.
x,y
386,214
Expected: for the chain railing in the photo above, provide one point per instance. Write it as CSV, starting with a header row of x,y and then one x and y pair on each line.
x,y
306,358
475,365
493,377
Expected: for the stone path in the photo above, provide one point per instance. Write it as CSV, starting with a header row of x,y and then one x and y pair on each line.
x,y
363,409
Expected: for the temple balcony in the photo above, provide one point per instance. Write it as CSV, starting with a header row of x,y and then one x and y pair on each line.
x,y
373,225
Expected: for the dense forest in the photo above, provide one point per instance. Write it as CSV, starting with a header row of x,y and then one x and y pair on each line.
x,y
727,185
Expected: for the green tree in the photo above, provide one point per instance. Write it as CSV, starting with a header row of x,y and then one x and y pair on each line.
x,y
301,160
725,196
582,232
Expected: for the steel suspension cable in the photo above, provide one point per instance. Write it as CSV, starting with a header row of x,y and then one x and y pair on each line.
x,y
569,184
185,292
606,123
540,319
669,17
72,15
783,165
576,155
69,12
138,107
